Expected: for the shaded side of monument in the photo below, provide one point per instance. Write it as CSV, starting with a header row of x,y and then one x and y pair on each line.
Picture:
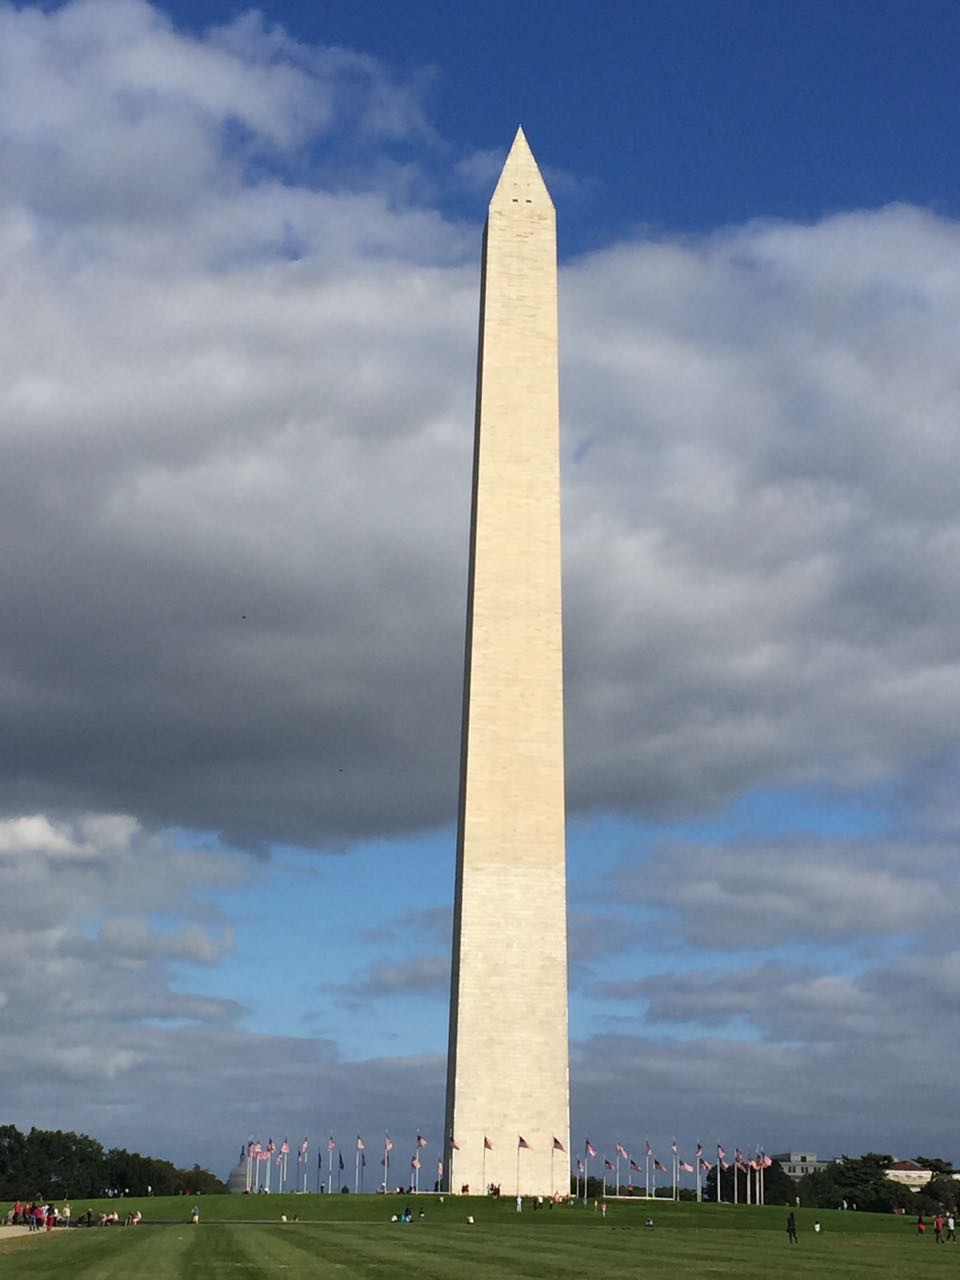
x,y
508,1075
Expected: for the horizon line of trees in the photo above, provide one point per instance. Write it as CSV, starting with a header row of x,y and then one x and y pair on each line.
x,y
858,1181
862,1182
51,1164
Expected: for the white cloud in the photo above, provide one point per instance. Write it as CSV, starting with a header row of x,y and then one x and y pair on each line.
x,y
788,891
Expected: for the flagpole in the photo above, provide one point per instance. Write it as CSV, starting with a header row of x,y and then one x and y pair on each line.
x,y
518,1166
330,1149
553,1181
483,1168
356,1171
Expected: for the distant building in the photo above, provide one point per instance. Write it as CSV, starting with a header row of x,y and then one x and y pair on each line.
x,y
797,1164
909,1174
237,1182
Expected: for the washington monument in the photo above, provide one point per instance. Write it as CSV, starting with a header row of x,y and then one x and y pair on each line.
x,y
508,1098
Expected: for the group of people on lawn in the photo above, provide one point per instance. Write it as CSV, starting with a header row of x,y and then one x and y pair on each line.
x,y
40,1217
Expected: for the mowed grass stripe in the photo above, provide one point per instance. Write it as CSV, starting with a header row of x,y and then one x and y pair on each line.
x,y
244,1252
100,1254
494,1250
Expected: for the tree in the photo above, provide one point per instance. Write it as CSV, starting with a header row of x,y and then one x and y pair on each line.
x,y
935,1164
12,1158
778,1187
939,1193
52,1164
197,1181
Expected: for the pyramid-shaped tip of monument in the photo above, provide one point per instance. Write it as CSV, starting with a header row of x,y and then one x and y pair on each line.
x,y
520,182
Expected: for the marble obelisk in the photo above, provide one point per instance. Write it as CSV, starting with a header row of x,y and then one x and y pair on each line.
x,y
507,1074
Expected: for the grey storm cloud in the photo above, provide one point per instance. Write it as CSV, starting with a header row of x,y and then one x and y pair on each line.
x,y
777,892
423,975
236,473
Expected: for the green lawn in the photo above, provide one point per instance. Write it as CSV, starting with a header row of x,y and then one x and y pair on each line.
x,y
351,1236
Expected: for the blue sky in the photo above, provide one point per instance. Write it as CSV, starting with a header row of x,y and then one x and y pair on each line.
x,y
241,259
682,116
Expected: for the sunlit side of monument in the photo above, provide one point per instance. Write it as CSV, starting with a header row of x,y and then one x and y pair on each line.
x,y
508,1078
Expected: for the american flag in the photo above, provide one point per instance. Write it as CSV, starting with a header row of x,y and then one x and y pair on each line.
x,y
421,1142
622,1152
361,1145
635,1167
649,1150
255,1149
284,1148
414,1163
363,1162
699,1150
590,1149
387,1144
271,1147
705,1165
487,1144
558,1145
331,1145
579,1165
721,1154
686,1167
674,1147
608,1165
454,1146
340,1158
303,1149
657,1165
439,1168
765,1161
523,1144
